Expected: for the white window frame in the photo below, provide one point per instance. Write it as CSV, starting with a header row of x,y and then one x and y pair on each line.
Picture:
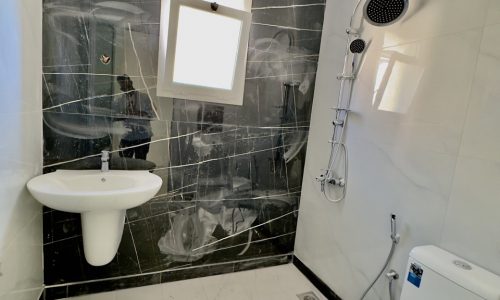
x,y
166,59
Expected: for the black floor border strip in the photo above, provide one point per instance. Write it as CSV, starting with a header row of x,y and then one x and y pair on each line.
x,y
315,280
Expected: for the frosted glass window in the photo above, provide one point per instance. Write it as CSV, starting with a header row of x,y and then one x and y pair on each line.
x,y
203,51
206,50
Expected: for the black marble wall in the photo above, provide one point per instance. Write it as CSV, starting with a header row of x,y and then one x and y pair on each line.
x,y
232,174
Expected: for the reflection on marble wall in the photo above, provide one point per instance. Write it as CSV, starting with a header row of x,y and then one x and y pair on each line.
x,y
232,174
423,143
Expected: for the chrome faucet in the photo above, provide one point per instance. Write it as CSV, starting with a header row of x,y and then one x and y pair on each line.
x,y
104,161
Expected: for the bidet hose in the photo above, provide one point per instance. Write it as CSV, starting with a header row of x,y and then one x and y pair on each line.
x,y
388,260
391,296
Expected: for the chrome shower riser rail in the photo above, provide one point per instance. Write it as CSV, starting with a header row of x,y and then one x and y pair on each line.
x,y
377,13
347,79
342,110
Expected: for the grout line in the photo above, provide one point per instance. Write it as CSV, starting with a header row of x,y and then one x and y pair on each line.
x,y
89,99
60,66
172,167
220,158
267,196
462,132
289,6
61,240
250,228
96,74
133,243
288,27
121,149
277,76
252,242
140,72
158,215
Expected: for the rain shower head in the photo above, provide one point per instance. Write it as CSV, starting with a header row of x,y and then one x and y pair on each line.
x,y
384,12
357,46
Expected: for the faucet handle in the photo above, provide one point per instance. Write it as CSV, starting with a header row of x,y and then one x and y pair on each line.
x,y
104,155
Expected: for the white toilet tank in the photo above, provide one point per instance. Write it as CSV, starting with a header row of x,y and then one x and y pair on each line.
x,y
434,274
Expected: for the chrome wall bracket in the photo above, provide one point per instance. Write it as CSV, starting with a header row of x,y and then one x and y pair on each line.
x,y
352,31
346,77
337,122
340,109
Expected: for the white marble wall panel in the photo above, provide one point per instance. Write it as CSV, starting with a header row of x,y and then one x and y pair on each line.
x,y
423,143
21,274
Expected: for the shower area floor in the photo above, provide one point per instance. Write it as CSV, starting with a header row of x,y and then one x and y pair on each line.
x,y
283,282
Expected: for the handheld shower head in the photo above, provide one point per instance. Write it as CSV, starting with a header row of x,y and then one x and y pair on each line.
x,y
384,12
357,46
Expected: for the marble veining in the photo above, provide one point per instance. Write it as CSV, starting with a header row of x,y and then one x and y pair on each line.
x,y
232,174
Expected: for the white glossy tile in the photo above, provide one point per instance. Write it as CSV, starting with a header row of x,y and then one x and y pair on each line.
x,y
283,282
30,294
345,243
184,290
493,16
21,148
409,107
22,142
416,94
472,225
240,285
321,125
21,78
28,262
433,112
21,209
150,292
481,138
428,19
105,296
21,160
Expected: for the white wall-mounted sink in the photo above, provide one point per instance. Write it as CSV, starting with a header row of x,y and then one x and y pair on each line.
x,y
101,198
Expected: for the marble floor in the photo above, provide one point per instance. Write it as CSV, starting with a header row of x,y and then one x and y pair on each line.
x,y
283,282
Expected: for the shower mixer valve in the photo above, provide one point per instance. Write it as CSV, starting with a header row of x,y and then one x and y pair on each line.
x,y
337,181
333,181
346,77
321,178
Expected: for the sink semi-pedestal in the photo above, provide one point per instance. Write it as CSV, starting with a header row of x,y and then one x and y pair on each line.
x,y
102,233
101,198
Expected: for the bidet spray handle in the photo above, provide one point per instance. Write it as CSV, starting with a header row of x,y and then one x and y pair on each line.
x,y
393,224
394,234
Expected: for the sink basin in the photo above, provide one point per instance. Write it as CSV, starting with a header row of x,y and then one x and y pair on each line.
x,y
101,198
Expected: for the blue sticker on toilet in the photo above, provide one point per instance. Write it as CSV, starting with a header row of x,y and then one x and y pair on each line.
x,y
415,275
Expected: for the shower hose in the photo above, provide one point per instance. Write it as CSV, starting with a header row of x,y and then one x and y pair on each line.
x,y
387,261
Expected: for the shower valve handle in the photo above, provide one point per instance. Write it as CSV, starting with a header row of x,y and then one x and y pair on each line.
x,y
337,181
